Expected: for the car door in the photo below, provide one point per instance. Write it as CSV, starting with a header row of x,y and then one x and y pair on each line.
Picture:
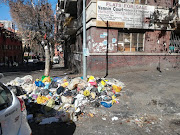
x,y
10,112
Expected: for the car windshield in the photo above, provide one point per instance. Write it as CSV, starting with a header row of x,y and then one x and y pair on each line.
x,y
5,97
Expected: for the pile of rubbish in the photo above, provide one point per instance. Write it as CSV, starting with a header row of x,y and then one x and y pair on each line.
x,y
65,97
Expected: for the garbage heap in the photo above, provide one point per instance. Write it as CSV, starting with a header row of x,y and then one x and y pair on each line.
x,y
68,97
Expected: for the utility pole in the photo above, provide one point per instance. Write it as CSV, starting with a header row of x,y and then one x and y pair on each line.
x,y
107,51
84,40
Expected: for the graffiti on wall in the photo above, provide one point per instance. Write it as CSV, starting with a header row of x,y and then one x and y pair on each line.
x,y
101,47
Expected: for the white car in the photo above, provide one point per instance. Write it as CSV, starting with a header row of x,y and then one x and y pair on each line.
x,y
33,60
56,59
13,114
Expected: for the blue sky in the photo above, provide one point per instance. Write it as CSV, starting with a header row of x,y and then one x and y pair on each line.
x,y
5,11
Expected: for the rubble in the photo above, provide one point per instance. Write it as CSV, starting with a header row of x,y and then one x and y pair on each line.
x,y
63,98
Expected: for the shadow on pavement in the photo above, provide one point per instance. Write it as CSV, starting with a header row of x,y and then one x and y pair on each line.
x,y
24,68
54,128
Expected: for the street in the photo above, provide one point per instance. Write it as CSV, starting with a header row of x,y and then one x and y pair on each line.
x,y
149,104
87,67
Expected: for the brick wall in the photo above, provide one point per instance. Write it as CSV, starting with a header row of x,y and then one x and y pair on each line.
x,y
157,41
95,40
163,3
14,51
118,63
156,49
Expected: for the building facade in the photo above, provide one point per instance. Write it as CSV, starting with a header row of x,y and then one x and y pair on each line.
x,y
125,35
11,52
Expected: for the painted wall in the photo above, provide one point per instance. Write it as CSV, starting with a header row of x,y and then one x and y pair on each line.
x,y
97,40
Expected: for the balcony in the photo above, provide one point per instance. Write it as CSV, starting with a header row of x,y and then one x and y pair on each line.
x,y
70,26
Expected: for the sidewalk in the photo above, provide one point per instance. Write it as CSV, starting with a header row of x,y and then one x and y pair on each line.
x,y
149,104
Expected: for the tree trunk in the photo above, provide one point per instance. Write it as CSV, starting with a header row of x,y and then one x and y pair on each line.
x,y
47,61
51,53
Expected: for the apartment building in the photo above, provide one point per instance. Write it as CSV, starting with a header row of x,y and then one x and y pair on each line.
x,y
121,35
11,52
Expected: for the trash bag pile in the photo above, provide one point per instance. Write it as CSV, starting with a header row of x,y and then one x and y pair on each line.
x,y
67,96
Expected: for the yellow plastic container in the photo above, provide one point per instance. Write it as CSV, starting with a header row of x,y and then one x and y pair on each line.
x,y
65,84
86,93
91,78
116,88
41,99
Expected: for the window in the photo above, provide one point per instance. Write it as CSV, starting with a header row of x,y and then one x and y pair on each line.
x,y
143,1
5,47
10,47
5,97
126,42
130,42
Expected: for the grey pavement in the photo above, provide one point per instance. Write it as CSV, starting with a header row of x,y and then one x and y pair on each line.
x,y
148,105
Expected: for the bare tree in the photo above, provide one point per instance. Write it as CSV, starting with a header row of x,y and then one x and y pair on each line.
x,y
35,19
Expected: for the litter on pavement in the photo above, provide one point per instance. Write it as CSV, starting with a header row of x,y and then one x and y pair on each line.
x,y
64,98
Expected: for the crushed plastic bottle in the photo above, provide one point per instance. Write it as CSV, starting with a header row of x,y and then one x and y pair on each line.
x,y
106,104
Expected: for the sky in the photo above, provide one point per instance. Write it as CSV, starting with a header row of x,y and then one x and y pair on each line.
x,y
5,11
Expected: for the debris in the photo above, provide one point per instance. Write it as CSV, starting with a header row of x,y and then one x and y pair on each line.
x,y
49,120
106,104
114,118
86,93
30,116
66,98
91,115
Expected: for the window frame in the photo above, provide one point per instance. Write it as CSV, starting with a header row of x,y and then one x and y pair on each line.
x,y
131,39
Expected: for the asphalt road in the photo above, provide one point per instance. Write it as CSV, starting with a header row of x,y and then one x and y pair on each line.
x,y
34,71
148,105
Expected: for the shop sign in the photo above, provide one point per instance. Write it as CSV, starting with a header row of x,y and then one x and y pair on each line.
x,y
124,15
